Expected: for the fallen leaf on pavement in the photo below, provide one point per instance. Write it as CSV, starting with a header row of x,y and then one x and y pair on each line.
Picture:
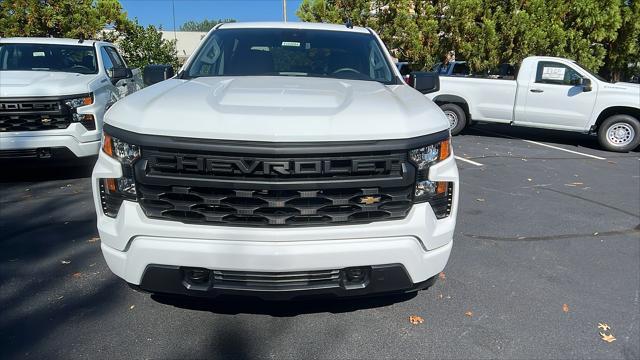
x,y
415,320
565,308
76,274
65,262
469,313
608,337
442,276
606,334
603,326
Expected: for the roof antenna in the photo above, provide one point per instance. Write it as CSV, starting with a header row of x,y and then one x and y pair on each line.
x,y
81,40
349,24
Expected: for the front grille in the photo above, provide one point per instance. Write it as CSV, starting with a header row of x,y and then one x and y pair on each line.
x,y
227,189
33,116
274,207
223,279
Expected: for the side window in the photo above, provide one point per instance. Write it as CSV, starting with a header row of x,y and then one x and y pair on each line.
x,y
549,72
106,60
377,69
460,69
115,57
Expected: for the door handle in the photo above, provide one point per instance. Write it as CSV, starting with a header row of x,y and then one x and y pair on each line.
x,y
536,90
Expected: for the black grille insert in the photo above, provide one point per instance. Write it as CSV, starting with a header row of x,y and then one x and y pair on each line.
x,y
33,115
242,189
273,207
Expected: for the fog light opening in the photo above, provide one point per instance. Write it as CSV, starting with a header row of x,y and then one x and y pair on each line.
x,y
356,275
197,276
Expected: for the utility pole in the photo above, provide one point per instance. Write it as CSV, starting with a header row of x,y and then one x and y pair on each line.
x,y
284,10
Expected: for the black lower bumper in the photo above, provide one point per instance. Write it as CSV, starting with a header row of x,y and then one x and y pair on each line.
x,y
371,280
57,153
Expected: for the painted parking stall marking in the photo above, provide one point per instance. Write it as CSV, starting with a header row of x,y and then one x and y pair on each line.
x,y
545,145
468,161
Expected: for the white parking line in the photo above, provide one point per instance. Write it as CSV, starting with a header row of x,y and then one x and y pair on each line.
x,y
566,150
469,161
543,144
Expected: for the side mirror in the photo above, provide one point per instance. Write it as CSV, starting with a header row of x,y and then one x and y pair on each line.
x,y
425,82
121,73
586,85
155,73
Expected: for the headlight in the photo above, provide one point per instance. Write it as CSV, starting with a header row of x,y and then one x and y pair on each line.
x,y
86,120
437,193
114,191
124,152
79,101
429,155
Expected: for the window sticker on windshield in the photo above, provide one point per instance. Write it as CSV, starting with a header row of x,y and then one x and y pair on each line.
x,y
291,43
553,73
38,53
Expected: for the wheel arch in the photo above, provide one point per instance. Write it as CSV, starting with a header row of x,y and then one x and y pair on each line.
x,y
453,99
615,110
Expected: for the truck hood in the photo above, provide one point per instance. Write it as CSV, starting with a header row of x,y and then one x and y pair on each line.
x,y
43,83
278,109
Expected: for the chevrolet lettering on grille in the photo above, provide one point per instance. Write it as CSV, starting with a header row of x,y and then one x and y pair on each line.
x,y
219,166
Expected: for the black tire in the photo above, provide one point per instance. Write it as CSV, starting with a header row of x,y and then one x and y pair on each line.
x,y
456,116
620,133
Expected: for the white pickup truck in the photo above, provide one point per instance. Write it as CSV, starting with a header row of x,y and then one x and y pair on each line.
x,y
549,93
54,93
284,160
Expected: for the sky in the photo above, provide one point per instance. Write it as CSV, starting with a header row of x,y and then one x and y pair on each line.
x,y
159,12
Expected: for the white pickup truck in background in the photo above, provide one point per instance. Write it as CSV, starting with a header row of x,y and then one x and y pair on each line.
x,y
549,93
54,93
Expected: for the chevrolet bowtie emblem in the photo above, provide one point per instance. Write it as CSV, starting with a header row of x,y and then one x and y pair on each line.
x,y
368,200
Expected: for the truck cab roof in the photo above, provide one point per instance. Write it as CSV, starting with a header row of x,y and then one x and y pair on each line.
x,y
53,41
293,25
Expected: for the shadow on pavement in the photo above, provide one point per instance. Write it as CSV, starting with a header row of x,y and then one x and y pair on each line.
x,y
232,305
30,170
556,137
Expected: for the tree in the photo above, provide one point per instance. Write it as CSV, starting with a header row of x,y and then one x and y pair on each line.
x,y
203,25
143,46
623,54
486,33
59,18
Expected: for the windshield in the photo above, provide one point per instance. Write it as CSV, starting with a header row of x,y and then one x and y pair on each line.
x,y
291,52
45,57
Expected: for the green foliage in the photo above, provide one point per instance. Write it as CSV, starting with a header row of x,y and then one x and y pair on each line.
x,y
59,18
143,46
87,18
203,25
600,34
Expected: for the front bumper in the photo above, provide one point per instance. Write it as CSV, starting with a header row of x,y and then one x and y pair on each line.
x,y
78,140
391,278
132,243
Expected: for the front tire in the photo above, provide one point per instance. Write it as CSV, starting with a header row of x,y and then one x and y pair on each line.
x,y
620,133
456,116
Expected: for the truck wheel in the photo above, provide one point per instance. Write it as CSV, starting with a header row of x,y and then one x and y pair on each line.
x,y
456,116
619,133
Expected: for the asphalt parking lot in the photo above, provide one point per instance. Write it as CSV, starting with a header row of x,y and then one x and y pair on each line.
x,y
546,219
